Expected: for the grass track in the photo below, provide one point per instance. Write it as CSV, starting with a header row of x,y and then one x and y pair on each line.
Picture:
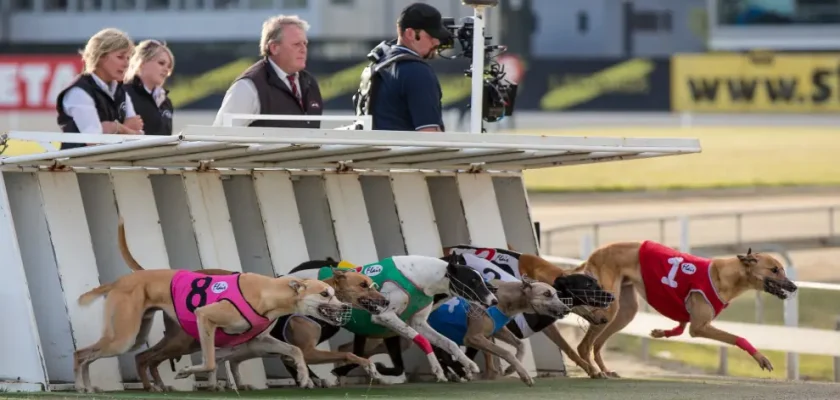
x,y
682,388
731,157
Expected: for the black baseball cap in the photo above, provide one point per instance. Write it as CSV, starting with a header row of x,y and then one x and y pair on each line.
x,y
425,17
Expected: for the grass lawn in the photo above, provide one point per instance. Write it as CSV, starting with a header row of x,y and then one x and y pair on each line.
x,y
817,309
566,389
731,157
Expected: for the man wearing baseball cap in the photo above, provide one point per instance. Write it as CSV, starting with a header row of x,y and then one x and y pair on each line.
x,y
399,89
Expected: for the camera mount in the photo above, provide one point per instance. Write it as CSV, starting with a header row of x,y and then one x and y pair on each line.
x,y
492,97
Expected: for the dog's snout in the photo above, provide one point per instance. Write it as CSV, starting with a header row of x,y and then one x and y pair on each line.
x,y
494,302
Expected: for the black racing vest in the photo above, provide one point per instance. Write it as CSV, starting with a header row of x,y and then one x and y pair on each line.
x,y
382,56
108,109
276,97
157,120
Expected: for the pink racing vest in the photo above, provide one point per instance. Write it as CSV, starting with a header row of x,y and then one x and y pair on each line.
x,y
191,290
670,276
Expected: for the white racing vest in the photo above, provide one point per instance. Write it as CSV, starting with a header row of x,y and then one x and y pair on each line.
x,y
504,259
492,271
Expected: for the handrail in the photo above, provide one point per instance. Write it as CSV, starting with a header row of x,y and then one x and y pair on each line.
x,y
718,214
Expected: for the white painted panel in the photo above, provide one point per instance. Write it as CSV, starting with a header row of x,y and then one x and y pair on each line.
x,y
484,220
417,218
481,210
76,262
286,242
33,237
216,241
350,218
314,209
20,343
519,231
136,203
281,219
353,233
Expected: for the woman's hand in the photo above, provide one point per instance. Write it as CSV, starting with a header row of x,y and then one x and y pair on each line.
x,y
134,123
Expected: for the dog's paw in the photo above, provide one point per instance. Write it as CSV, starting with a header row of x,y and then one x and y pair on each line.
x,y
183,373
657,333
612,374
306,383
528,380
218,387
437,371
509,370
473,367
598,375
763,362
169,388
95,389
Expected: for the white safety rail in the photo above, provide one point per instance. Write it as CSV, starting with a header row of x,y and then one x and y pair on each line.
x,y
763,337
249,199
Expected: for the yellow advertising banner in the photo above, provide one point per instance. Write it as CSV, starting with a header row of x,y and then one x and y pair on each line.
x,y
788,83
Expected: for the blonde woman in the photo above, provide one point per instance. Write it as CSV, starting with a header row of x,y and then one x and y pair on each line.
x,y
148,69
95,102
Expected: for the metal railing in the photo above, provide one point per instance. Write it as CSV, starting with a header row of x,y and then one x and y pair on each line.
x,y
596,228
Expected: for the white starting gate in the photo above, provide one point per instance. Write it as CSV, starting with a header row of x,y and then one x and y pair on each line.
x,y
250,199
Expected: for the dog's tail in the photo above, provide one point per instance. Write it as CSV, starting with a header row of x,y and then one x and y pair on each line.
x,y
126,254
95,293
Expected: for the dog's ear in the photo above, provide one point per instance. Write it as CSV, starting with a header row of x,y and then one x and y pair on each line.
x,y
747,259
339,273
526,282
297,286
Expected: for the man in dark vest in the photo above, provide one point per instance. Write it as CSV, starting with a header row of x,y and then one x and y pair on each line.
x,y
278,83
399,89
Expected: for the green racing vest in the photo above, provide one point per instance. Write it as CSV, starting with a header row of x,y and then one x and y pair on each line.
x,y
380,272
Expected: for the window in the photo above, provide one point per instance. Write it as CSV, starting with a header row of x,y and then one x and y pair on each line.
x,y
341,2
261,4
125,5
158,4
293,4
225,4
89,5
192,4
55,5
22,5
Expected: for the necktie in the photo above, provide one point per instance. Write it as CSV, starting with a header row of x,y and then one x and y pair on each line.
x,y
295,89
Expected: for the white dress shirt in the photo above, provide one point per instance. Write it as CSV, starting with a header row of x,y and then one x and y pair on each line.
x,y
80,106
242,98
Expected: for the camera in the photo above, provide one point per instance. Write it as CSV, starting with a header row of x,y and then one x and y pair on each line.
x,y
499,94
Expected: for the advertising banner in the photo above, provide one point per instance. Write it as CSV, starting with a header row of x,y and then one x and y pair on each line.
x,y
741,83
32,82
637,84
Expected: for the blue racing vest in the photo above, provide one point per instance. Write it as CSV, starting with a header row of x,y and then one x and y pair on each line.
x,y
450,319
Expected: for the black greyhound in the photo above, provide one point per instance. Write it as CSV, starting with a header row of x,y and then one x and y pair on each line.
x,y
464,282
583,289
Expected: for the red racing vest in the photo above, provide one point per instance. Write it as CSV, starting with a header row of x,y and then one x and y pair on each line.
x,y
670,276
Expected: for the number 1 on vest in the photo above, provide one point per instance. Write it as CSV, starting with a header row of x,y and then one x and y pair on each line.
x,y
675,265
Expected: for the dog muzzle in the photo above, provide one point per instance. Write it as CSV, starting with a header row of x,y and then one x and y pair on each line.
x,y
780,289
